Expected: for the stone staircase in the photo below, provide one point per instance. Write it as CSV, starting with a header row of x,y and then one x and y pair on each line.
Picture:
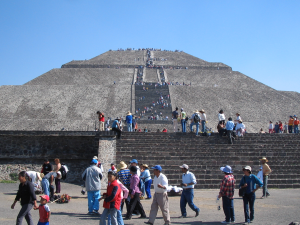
x,y
152,95
205,155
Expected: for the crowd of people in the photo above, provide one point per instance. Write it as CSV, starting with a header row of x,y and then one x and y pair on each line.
x,y
129,184
291,127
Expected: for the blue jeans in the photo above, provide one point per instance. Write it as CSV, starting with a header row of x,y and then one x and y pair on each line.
x,y
249,199
147,187
296,129
93,200
290,129
197,127
183,125
203,125
187,196
119,218
142,188
228,209
129,127
46,186
265,186
113,215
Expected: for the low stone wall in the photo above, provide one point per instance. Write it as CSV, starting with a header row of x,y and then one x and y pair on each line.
x,y
24,150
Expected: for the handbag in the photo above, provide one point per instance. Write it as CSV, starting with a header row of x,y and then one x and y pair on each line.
x,y
242,191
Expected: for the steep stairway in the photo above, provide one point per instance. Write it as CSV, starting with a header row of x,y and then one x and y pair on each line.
x,y
205,155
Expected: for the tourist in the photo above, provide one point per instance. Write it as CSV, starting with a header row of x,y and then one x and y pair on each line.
x,y
195,120
165,130
145,176
99,164
134,162
266,171
124,177
221,116
183,121
261,131
56,168
203,120
135,194
280,127
47,181
44,211
251,183
238,117
92,177
291,124
160,198
35,178
221,128
47,167
112,167
227,192
107,122
271,127
240,128
187,196
229,130
296,125
101,120
28,199
116,127
129,121
134,124
276,128
285,128
174,119
112,200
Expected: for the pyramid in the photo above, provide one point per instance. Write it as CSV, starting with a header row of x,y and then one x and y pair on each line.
x,y
68,97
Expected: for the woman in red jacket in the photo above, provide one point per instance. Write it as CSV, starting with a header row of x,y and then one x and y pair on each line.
x,y
112,199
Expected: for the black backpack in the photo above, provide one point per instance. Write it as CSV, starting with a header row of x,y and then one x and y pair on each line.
x,y
64,170
196,118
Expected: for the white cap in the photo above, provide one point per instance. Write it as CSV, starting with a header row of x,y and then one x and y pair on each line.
x,y
247,168
184,166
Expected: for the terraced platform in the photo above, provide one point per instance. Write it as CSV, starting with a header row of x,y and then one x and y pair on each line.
x,y
205,155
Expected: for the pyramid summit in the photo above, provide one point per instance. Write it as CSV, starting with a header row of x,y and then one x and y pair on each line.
x,y
68,97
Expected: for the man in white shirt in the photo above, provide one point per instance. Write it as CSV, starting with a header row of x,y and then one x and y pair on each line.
x,y
187,196
160,198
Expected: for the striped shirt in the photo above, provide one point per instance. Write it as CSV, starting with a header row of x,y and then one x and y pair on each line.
x,y
124,177
227,186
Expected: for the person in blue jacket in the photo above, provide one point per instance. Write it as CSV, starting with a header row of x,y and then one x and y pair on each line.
x,y
251,183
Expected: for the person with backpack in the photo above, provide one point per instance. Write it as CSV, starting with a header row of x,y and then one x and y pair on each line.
x,y
195,120
135,195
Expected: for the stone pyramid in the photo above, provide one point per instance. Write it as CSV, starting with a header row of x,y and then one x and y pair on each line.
x,y
68,97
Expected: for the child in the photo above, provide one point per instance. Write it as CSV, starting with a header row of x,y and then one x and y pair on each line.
x,y
44,211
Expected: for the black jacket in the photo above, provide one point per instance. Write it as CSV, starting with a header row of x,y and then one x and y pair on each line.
x,y
26,193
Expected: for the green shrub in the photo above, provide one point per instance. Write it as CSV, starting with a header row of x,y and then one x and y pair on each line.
x,y
13,176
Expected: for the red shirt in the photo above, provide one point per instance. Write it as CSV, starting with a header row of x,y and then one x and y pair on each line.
x,y
113,196
101,118
44,213
296,122
227,186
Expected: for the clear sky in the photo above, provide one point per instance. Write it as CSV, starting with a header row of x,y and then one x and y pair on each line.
x,y
257,38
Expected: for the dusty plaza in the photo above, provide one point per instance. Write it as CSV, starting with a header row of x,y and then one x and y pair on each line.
x,y
281,208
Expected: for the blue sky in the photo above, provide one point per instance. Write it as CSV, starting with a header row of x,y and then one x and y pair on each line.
x,y
257,38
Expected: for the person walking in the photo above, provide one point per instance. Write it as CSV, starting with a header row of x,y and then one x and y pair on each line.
x,y
160,198
266,171
135,195
251,183
187,196
116,127
227,192
92,177
129,121
146,177
112,200
174,119
56,168
183,121
134,162
203,120
124,177
291,124
229,130
28,199
296,125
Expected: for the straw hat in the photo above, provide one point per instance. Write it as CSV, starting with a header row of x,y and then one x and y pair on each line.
x,y
95,157
122,165
145,165
202,110
264,159
128,113
196,111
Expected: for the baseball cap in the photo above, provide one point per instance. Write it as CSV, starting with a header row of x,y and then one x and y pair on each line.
x,y
247,168
157,167
46,197
94,161
184,166
133,161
